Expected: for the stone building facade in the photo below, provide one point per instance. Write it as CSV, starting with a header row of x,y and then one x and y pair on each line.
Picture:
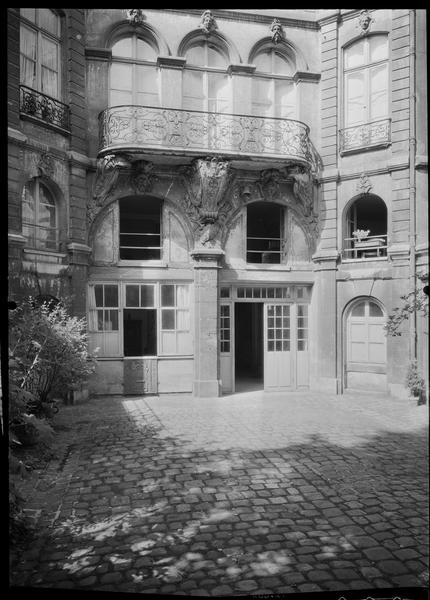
x,y
233,198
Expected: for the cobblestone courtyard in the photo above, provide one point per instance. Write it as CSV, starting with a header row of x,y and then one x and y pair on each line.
x,y
242,494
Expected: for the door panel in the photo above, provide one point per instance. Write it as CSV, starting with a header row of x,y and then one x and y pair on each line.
x,y
278,358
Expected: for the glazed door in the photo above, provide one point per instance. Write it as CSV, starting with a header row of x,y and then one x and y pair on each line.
x,y
278,356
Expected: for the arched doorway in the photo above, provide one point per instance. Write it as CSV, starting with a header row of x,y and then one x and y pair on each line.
x,y
366,346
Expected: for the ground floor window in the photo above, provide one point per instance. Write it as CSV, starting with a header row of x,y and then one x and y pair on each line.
x,y
136,320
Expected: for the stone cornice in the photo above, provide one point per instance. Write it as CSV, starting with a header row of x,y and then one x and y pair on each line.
x,y
306,76
241,69
16,239
16,135
325,255
172,62
229,15
339,175
81,160
98,53
78,247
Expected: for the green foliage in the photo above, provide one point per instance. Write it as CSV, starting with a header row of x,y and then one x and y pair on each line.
x,y
414,381
413,302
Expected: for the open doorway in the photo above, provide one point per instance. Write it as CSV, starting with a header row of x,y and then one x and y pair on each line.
x,y
249,357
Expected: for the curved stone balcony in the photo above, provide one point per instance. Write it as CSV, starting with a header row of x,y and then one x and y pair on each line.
x,y
144,128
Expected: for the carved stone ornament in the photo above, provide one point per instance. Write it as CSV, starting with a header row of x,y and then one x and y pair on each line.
x,y
45,165
142,179
277,31
108,170
135,16
364,184
365,21
303,188
208,23
269,184
206,183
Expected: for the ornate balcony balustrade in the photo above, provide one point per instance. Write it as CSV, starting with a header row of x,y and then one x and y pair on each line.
x,y
365,136
43,107
372,246
138,127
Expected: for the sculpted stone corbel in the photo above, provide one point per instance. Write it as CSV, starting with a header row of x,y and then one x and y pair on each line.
x,y
107,174
303,188
206,183
270,184
142,179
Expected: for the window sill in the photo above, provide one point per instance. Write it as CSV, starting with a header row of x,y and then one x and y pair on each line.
x,y
29,250
367,148
143,263
364,260
267,267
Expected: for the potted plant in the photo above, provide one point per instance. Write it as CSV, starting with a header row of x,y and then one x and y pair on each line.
x,y
415,382
360,234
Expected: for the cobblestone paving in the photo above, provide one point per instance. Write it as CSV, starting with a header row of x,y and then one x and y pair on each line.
x,y
245,494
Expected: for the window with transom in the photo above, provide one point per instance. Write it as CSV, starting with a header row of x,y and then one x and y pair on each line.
x,y
133,74
39,216
40,50
366,80
273,89
206,84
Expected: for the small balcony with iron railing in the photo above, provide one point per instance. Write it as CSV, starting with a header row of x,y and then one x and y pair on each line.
x,y
365,137
39,107
370,247
166,130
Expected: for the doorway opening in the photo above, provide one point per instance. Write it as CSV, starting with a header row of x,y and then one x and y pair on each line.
x,y
249,355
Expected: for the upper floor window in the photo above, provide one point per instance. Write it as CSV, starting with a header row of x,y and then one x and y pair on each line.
x,y
366,229
205,82
140,228
39,216
264,232
133,73
40,47
366,80
273,90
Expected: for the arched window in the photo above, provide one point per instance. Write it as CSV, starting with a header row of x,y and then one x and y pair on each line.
x,y
366,228
40,50
206,85
133,73
366,80
273,89
264,232
39,216
139,228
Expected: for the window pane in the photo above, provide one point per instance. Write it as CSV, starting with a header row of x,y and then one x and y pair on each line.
x,y
100,320
121,77
111,295
132,295
284,99
28,13
98,294
49,82
167,319
167,295
261,96
28,206
147,295
215,58
147,79
374,310
46,215
196,56
263,62
183,320
354,55
49,20
355,102
118,98
145,51
378,78
281,66
218,92
193,90
358,310
49,57
182,296
123,48
378,46
110,320
28,57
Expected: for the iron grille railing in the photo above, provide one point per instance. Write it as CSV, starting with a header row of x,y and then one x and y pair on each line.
x,y
43,107
364,136
373,246
134,127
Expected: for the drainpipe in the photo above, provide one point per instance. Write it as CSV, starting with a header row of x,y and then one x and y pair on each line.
x,y
412,178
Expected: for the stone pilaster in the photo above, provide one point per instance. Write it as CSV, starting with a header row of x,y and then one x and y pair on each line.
x,y
206,381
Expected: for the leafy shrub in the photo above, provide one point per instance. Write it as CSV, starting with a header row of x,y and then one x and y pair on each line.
x,y
414,381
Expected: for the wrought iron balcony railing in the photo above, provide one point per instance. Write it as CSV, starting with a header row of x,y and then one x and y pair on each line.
x,y
365,136
373,246
137,127
43,107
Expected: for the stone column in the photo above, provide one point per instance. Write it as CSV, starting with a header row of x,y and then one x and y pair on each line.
x,y
206,381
